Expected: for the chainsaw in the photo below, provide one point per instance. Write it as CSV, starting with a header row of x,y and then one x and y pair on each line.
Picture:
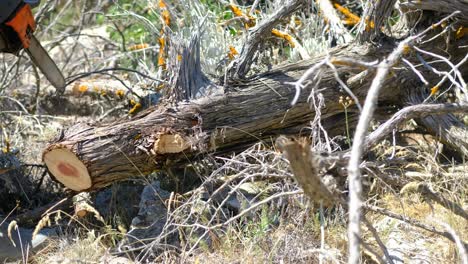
x,y
17,26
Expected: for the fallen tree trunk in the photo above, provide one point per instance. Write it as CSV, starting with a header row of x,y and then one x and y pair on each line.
x,y
91,157
87,158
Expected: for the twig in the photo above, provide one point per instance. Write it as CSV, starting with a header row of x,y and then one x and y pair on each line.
x,y
78,76
377,239
409,112
458,242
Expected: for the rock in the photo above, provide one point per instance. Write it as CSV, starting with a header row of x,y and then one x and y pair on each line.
x,y
119,202
151,216
24,242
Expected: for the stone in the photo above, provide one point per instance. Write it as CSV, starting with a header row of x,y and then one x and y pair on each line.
x,y
23,241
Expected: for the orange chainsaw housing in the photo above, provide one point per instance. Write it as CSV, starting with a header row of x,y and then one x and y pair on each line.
x,y
23,23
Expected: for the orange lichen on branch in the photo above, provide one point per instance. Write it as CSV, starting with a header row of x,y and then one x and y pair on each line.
x,y
161,4
82,88
232,52
166,17
406,49
284,36
135,109
161,60
236,10
249,21
434,90
369,24
461,32
108,88
138,46
160,87
346,63
120,93
162,53
351,19
162,42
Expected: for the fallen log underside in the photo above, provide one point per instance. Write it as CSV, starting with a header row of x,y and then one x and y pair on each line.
x,y
89,157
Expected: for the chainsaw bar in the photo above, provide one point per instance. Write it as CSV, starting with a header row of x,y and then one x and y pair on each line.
x,y
42,60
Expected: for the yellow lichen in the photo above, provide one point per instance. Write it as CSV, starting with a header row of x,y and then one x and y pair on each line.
x,y
461,32
166,17
284,36
138,46
160,87
120,93
369,24
406,49
351,19
82,88
250,20
161,4
232,52
135,109
434,90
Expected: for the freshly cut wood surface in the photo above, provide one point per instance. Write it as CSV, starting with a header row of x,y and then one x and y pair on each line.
x,y
68,169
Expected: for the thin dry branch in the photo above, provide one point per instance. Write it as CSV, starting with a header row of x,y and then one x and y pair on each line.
x,y
409,112
377,239
241,66
460,244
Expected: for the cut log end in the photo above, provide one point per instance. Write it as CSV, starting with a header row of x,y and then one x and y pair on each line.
x,y
68,169
170,144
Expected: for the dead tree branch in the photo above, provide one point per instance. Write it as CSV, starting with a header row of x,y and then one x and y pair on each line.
x,y
241,66
409,112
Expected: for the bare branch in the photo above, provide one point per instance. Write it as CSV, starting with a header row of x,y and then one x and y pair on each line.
x,y
241,67
409,112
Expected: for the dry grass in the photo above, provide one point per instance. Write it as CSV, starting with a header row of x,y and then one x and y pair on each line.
x,y
81,249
